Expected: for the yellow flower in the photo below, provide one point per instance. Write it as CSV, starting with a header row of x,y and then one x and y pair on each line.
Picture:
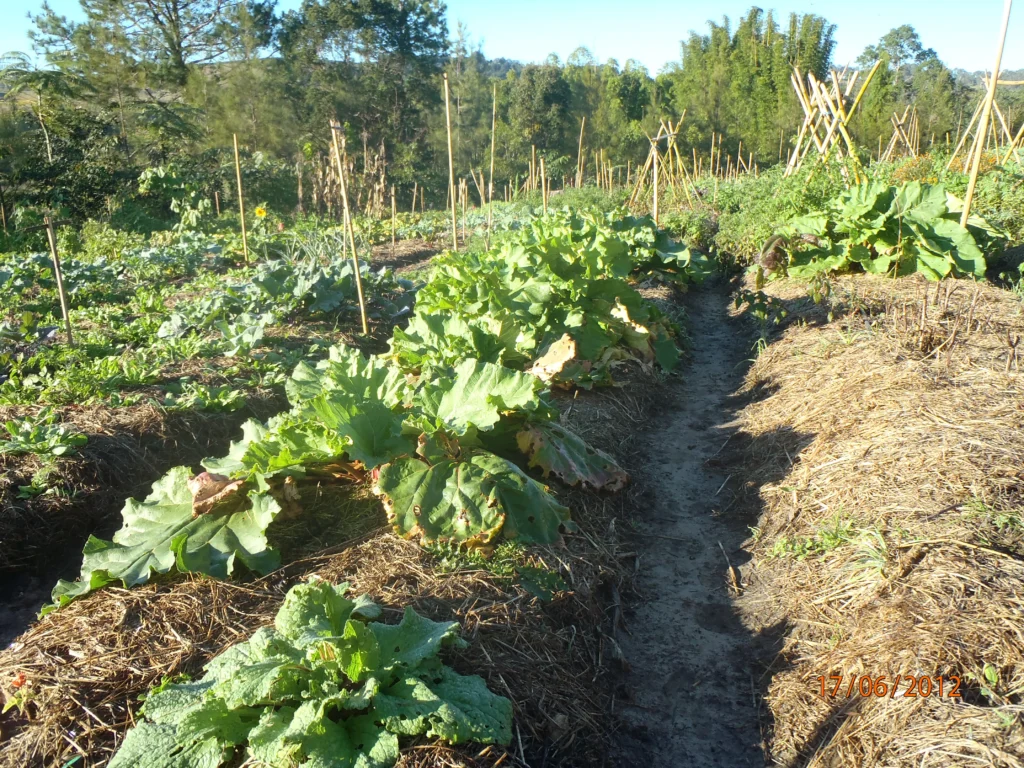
x,y
261,212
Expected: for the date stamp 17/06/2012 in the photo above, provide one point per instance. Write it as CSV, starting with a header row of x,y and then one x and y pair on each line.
x,y
885,686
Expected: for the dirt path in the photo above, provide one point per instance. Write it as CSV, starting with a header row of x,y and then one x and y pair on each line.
x,y
692,664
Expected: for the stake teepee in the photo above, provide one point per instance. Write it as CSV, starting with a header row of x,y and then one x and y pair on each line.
x,y
828,110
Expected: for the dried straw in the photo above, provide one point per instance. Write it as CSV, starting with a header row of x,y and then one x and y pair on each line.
x,y
901,420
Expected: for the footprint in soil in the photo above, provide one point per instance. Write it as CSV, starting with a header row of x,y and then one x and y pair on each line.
x,y
691,657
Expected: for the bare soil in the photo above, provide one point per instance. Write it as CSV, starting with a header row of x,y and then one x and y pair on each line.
x,y
693,682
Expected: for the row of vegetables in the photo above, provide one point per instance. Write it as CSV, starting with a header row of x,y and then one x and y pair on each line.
x,y
455,429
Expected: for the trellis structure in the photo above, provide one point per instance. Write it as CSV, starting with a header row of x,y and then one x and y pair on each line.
x,y
998,134
906,135
828,110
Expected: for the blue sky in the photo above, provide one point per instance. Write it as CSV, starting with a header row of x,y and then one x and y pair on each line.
x,y
963,34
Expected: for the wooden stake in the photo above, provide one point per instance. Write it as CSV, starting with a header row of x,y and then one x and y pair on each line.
x,y
451,163
544,185
241,200
985,115
654,210
533,166
490,183
394,219
463,196
579,155
963,137
348,222
51,236
216,203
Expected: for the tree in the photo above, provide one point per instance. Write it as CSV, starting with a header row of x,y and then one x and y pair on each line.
x,y
44,89
900,46
539,107
172,34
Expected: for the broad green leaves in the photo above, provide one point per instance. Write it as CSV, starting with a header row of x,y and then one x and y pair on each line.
x,y
426,419
470,500
564,275
477,394
325,688
884,230
161,534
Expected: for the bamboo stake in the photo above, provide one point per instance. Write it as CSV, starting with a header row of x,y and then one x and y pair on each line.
x,y
1006,130
51,236
463,197
216,203
579,155
394,219
1014,143
451,163
533,167
544,185
415,194
986,112
963,138
490,183
654,207
348,222
241,200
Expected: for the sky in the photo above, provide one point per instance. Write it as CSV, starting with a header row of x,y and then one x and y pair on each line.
x,y
963,34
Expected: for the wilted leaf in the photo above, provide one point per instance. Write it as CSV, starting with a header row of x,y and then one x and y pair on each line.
x,y
556,450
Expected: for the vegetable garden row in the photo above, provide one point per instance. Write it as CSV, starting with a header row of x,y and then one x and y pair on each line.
x,y
451,428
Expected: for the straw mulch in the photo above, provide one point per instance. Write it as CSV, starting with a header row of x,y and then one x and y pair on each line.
x,y
128,449
87,664
886,453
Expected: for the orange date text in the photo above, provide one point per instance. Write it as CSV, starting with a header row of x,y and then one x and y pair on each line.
x,y
907,686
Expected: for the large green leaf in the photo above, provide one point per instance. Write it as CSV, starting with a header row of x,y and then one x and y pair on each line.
x,y
556,450
205,737
286,445
161,534
447,705
414,640
317,610
346,371
322,689
309,737
477,394
372,429
471,500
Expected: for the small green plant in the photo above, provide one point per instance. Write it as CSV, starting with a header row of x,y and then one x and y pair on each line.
x,y
326,685
191,396
767,309
40,482
40,435
834,534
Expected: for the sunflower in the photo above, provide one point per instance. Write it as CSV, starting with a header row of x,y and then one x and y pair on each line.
x,y
261,212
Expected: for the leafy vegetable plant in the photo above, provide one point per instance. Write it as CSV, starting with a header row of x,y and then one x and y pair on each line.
x,y
327,685
913,228
40,435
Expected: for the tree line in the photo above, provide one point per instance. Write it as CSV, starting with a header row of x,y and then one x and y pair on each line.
x,y
155,89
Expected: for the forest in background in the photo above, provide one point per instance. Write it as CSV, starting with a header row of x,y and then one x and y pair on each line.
x,y
131,121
